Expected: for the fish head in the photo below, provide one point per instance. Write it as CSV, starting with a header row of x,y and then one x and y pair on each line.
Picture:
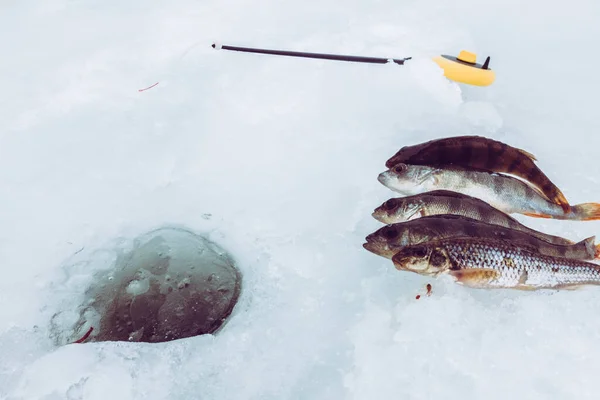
x,y
423,259
398,209
405,178
387,240
405,154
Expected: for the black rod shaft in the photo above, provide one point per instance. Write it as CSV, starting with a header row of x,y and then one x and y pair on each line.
x,y
338,57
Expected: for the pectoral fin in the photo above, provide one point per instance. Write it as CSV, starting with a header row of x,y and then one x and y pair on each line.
x,y
476,278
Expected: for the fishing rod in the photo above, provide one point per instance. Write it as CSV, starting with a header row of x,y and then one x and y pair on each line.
x,y
324,56
463,68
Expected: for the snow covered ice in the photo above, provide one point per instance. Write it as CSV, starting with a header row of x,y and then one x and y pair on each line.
x,y
283,153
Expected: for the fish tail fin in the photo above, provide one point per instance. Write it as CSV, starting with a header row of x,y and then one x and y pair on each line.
x,y
586,212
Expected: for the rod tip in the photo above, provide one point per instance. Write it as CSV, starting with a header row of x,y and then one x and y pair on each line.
x,y
217,46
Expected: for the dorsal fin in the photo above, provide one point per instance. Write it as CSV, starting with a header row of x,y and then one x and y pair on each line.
x,y
590,245
454,217
527,154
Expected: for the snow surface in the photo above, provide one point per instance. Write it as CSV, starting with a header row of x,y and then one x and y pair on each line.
x,y
283,153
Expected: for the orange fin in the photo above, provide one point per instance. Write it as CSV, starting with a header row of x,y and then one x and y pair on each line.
x,y
476,278
561,200
537,215
586,212
597,255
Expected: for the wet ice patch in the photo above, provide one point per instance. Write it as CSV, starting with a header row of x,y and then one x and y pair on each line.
x,y
171,284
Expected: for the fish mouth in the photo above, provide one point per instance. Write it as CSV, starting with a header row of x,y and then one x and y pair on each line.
x,y
387,177
395,182
379,216
383,177
369,246
378,248
370,243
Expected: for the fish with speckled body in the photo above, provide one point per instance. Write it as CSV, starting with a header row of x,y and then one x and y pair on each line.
x,y
490,263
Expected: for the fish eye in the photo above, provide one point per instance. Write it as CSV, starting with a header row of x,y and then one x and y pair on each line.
x,y
390,233
400,168
390,204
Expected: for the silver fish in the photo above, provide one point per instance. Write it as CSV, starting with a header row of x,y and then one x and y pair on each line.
x,y
445,202
505,193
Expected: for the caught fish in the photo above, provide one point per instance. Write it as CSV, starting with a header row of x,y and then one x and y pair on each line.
x,y
389,239
445,202
505,193
477,152
490,263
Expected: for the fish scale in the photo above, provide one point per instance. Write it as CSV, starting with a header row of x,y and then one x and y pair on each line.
x,y
478,152
440,202
502,192
388,239
516,267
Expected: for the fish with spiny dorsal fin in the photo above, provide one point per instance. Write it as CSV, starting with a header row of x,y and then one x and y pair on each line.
x,y
480,153
386,241
508,194
445,202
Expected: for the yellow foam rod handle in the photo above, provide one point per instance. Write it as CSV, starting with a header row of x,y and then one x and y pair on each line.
x,y
464,69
